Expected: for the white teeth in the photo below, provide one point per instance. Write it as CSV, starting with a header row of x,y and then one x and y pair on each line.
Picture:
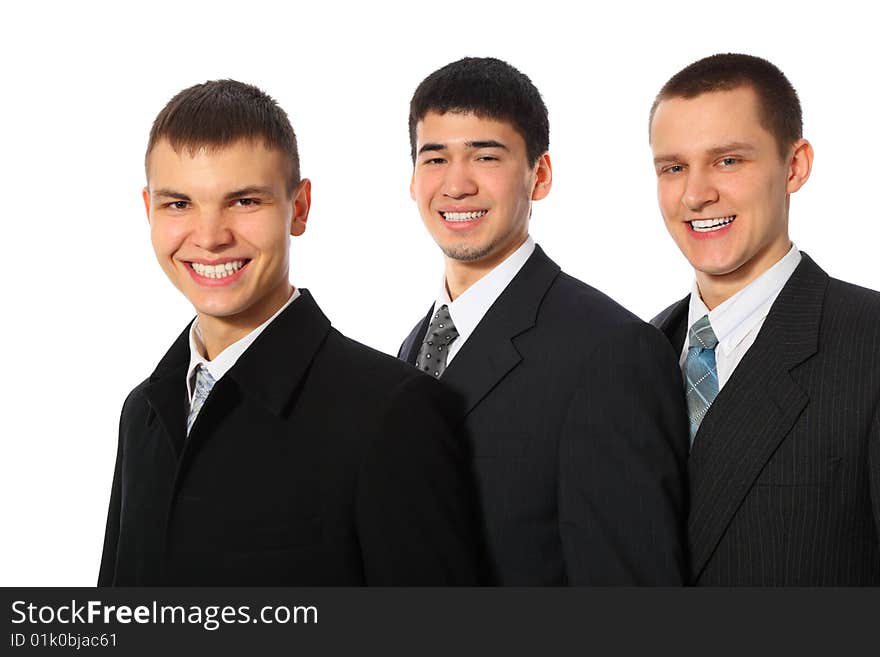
x,y
217,271
463,216
707,225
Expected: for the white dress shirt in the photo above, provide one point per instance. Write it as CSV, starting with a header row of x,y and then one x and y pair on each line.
x,y
226,358
738,320
472,304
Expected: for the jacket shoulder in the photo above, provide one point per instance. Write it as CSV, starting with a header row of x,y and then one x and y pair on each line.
x,y
579,305
376,372
853,299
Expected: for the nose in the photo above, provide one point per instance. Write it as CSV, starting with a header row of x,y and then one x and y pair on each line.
x,y
458,182
211,231
699,191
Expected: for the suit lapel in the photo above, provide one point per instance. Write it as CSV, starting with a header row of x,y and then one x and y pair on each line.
x,y
490,353
272,369
673,322
754,412
166,391
409,350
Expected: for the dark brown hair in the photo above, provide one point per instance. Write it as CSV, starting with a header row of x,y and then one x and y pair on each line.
x,y
218,113
779,107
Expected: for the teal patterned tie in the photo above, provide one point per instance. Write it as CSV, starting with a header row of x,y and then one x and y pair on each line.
x,y
204,383
701,374
441,333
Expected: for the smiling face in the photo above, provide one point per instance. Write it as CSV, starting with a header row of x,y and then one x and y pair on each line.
x,y
723,188
474,186
220,221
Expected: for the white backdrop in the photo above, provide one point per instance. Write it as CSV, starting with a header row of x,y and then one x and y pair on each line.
x,y
87,312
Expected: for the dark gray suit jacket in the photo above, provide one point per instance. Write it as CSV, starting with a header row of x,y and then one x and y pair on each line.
x,y
574,413
785,469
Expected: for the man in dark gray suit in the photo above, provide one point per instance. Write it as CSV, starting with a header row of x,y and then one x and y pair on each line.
x,y
781,363
570,403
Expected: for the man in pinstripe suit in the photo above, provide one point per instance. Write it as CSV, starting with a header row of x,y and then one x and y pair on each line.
x,y
781,363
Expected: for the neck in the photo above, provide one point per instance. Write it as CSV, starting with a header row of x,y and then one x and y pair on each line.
x,y
716,289
461,274
220,332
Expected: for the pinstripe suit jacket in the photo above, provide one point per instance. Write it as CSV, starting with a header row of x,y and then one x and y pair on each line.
x,y
577,433
784,474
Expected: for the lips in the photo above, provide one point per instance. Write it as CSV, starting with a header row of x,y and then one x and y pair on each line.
x,y
221,270
460,217
711,224
217,273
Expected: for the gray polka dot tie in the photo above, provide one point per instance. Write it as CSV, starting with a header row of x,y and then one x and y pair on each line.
x,y
441,333
204,383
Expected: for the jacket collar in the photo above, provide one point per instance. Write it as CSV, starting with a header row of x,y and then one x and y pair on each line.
x,y
269,372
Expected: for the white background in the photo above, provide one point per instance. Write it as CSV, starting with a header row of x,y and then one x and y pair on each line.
x,y
87,312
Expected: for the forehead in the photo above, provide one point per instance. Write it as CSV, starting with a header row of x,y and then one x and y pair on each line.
x,y
708,120
459,128
210,168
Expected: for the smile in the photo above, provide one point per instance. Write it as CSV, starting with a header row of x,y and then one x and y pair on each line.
x,y
708,225
463,216
221,270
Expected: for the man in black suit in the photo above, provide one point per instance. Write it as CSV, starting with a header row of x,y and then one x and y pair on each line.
x,y
576,427
781,363
267,448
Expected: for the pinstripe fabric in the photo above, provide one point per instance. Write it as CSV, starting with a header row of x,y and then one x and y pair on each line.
x,y
785,472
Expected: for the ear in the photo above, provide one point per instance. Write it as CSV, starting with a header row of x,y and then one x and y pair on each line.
x,y
800,165
543,177
146,196
302,201
412,184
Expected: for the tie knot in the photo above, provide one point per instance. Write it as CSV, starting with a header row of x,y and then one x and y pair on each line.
x,y
442,326
701,334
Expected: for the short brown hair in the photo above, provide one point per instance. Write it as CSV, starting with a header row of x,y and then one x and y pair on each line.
x,y
779,107
218,113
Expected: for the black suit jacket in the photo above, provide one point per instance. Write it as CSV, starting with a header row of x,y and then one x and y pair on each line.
x,y
577,428
785,469
315,460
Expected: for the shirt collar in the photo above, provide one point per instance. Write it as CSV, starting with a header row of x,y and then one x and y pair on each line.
x,y
470,306
224,361
737,316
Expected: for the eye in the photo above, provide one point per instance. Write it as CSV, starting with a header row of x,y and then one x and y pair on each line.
x,y
672,168
246,202
434,160
177,205
728,161
487,158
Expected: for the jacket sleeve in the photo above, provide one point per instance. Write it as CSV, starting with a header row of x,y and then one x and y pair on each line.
x,y
622,466
111,532
415,505
874,468
107,573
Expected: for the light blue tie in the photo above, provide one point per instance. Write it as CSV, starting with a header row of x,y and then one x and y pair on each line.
x,y
204,383
701,374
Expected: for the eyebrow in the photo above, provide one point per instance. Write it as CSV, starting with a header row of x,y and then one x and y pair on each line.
x,y
733,146
170,193
484,143
250,190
